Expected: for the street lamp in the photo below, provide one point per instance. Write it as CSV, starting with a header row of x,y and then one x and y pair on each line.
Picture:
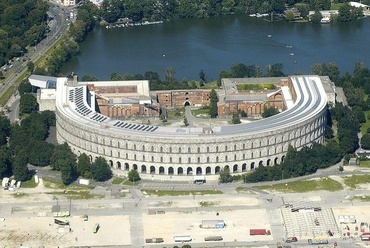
x,y
35,43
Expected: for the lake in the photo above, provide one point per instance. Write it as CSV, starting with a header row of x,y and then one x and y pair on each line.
x,y
214,44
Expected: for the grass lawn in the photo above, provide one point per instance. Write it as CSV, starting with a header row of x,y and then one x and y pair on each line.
x,y
354,180
365,163
364,198
55,184
179,192
6,95
336,6
29,184
118,180
175,114
129,183
201,112
208,203
210,85
366,125
77,194
305,186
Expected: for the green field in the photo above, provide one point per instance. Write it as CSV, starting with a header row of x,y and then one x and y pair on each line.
x,y
354,180
6,95
118,180
77,194
201,112
305,186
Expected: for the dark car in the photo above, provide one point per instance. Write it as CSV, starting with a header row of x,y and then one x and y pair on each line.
x,y
291,239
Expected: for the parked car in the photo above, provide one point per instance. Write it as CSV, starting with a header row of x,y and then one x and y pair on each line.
x,y
291,239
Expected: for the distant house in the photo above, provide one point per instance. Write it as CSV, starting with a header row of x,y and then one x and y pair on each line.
x,y
365,8
326,14
296,13
359,5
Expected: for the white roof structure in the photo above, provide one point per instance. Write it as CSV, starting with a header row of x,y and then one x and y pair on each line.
x,y
359,5
72,101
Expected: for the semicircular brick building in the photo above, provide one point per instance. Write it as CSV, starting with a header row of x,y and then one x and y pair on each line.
x,y
175,151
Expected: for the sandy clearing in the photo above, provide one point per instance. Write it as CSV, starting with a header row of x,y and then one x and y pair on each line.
x,y
38,231
178,224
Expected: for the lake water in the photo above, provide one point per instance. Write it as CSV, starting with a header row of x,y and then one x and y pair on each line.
x,y
214,44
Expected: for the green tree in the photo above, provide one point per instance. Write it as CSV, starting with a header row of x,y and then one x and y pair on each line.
x,y
344,13
316,17
4,129
24,87
225,176
19,166
186,123
133,176
213,111
269,111
170,74
28,104
84,166
275,70
68,172
202,76
235,119
39,152
30,66
100,170
4,160
62,156
290,16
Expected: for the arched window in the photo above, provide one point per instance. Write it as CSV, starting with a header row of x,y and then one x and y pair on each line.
x,y
143,149
198,150
198,160
161,149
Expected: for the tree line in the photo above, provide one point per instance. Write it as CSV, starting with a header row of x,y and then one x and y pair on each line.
x,y
162,10
26,143
23,23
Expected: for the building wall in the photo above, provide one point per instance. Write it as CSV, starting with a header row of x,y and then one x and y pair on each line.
x,y
204,155
180,98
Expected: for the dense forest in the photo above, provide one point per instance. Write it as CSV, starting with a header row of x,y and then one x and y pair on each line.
x,y
22,23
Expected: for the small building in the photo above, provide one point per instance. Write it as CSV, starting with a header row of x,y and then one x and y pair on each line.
x,y
212,224
353,161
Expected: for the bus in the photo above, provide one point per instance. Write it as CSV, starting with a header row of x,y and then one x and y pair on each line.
x,y
182,239
96,228
199,179
318,241
365,236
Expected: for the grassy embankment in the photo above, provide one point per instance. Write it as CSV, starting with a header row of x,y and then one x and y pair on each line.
x,y
304,186
180,192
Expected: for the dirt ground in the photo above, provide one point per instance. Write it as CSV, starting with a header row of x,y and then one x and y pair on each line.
x,y
188,224
19,228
